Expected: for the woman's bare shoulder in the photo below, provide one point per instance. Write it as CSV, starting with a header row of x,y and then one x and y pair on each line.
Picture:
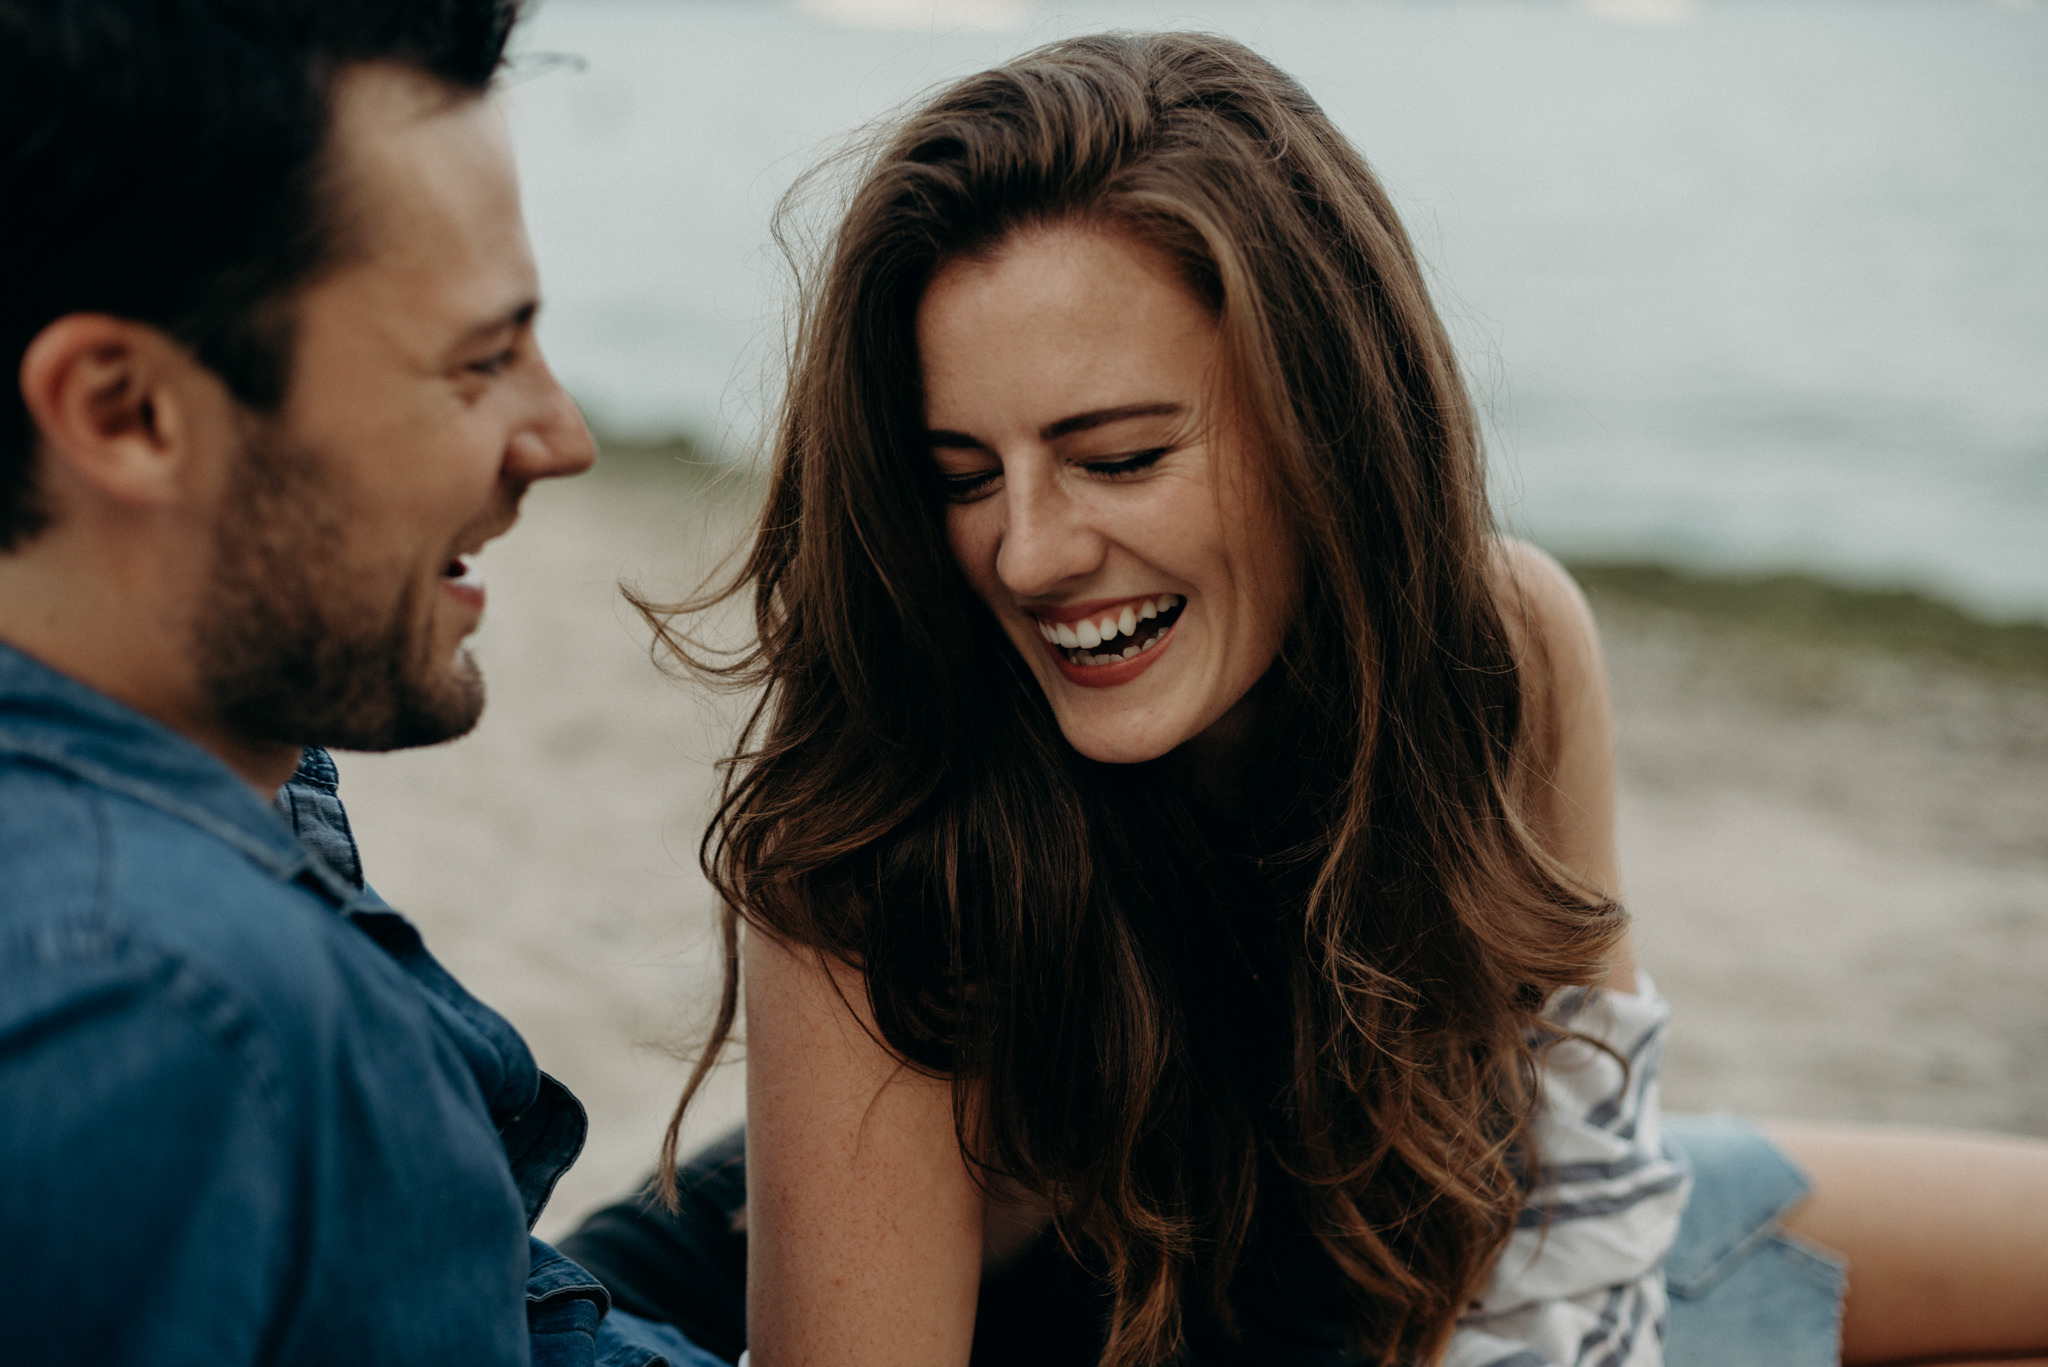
x,y
1571,796
1547,617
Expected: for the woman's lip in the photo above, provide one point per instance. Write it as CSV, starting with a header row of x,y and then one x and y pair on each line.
x,y
1109,676
1093,608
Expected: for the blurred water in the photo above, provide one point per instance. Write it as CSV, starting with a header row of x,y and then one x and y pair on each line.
x,y
1754,285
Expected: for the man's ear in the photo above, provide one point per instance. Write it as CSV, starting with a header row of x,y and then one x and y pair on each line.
x,y
126,409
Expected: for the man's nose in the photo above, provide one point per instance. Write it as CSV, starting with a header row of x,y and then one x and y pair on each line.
x,y
556,442
1047,540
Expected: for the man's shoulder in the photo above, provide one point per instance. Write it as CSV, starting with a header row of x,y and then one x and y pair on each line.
x,y
130,934
202,1052
106,897
52,841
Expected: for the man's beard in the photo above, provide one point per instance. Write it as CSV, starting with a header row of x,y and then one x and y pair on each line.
x,y
290,651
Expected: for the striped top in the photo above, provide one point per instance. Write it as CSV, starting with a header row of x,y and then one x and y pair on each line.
x,y
1581,1281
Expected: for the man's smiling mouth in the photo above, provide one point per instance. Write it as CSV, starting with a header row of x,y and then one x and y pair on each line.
x,y
1094,640
462,571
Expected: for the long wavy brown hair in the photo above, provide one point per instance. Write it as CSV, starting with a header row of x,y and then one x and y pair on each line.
x,y
1164,1020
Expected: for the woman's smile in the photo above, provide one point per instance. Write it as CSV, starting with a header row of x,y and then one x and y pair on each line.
x,y
1093,642
1100,500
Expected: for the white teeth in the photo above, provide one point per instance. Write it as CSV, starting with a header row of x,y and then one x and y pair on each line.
x,y
1083,637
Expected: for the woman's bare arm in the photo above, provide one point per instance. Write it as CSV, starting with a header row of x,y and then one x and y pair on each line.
x,y
1565,676
864,1225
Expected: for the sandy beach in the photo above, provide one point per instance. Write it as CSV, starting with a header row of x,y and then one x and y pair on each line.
x,y
1837,853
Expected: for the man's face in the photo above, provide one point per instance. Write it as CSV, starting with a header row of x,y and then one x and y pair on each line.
x,y
420,410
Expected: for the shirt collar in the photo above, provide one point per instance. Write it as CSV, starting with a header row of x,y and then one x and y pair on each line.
x,y
53,719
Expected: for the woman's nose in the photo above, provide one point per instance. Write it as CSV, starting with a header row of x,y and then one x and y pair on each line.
x,y
1048,540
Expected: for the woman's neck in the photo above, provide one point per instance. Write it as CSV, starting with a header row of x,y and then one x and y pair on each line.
x,y
1220,764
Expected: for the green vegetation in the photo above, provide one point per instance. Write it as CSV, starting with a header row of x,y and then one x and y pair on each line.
x,y
684,462
683,455
1805,610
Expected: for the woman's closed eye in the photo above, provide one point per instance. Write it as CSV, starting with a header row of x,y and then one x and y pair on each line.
x,y
1113,466
964,486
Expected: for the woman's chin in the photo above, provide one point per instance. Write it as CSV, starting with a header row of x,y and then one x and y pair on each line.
x,y
1116,744
1132,725
1213,744
1121,754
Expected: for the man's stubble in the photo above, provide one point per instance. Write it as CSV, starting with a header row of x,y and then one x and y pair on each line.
x,y
290,648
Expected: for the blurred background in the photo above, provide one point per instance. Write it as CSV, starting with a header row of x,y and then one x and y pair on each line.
x,y
1755,299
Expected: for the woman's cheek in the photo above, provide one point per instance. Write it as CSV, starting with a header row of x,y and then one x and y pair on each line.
x,y
971,535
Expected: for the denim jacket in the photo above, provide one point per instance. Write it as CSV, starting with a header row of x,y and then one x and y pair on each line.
x,y
245,1117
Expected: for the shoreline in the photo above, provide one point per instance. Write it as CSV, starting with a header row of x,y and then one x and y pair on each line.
x,y
1809,609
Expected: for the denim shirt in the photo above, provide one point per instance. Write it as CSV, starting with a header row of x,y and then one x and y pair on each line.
x,y
245,1117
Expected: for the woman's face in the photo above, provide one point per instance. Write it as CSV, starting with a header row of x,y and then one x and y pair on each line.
x,y
1100,497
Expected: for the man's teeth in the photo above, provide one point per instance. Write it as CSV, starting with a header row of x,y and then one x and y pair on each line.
x,y
462,570
1087,635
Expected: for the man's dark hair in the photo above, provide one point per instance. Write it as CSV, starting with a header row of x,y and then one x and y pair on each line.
x,y
160,160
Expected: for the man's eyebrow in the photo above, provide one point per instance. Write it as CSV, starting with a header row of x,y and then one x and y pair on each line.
x,y
518,316
943,440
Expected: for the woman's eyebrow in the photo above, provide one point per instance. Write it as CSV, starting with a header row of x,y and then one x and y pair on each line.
x,y
942,439
1102,417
